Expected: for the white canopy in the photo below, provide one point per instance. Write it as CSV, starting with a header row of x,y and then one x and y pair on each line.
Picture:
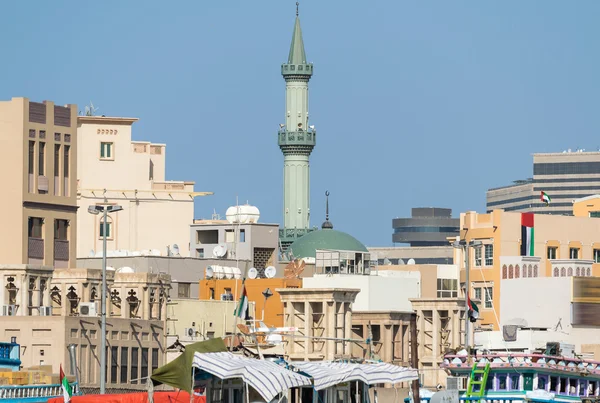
x,y
266,377
327,373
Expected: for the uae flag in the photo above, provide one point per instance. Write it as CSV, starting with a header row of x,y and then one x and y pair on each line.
x,y
66,388
527,239
242,308
473,311
545,198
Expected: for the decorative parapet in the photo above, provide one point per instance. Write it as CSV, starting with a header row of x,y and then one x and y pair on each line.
x,y
513,267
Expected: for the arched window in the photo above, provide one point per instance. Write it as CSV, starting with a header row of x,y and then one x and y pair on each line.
x,y
517,272
530,271
535,271
589,272
577,272
563,272
524,271
504,270
556,272
511,272
570,272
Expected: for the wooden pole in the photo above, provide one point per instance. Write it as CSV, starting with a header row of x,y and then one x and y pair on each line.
x,y
414,356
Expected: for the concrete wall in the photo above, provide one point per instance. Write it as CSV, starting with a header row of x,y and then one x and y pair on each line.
x,y
421,254
384,292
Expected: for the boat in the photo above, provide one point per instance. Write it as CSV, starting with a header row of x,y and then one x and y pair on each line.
x,y
550,375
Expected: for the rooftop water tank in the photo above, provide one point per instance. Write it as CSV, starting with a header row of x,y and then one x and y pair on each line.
x,y
245,214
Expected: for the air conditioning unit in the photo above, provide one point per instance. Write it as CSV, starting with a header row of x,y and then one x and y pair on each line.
x,y
88,309
43,183
189,332
9,310
45,311
226,297
456,383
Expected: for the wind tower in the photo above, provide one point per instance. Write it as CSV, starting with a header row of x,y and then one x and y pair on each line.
x,y
296,140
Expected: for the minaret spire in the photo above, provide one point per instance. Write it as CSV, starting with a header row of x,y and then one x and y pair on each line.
x,y
327,224
296,140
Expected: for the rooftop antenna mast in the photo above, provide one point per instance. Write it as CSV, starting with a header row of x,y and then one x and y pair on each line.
x,y
90,110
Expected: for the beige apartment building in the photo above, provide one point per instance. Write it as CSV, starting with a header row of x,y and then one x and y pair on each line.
x,y
114,170
39,205
564,246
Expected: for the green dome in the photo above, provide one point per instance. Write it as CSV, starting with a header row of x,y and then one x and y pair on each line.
x,y
324,239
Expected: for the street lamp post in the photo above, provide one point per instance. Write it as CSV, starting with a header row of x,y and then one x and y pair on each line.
x,y
464,245
95,210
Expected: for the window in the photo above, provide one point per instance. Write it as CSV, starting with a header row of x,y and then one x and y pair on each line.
x,y
41,158
154,359
124,359
61,229
447,288
597,255
582,387
106,226
183,290
35,227
595,214
114,363
477,257
144,373
242,235
229,236
542,382
151,171
574,253
31,164
66,170
106,151
56,169
477,293
200,252
554,383
514,382
551,252
489,255
211,293
501,381
134,365
489,296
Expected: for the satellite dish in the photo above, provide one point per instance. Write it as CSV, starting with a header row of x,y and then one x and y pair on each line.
x,y
411,261
252,273
270,272
228,271
400,261
125,269
92,253
209,272
237,273
274,338
175,249
220,250
110,268
218,272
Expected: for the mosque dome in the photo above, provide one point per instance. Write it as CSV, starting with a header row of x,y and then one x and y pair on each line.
x,y
328,239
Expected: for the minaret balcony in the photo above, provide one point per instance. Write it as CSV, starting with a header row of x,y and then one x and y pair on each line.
x,y
297,69
297,138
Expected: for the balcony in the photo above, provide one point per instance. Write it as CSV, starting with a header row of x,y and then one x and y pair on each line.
x,y
298,138
514,267
61,254
35,250
571,267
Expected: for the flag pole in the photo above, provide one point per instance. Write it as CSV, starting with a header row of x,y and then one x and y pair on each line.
x,y
235,316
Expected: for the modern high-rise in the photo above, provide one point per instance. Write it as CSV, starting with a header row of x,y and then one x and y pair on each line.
x,y
427,226
39,198
564,177
296,140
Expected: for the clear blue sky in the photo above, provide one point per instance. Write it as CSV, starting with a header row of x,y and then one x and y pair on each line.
x,y
416,103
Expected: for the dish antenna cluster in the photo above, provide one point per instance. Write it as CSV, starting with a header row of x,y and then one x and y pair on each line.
x,y
90,110
269,272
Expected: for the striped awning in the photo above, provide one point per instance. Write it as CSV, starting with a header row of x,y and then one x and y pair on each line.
x,y
266,377
327,373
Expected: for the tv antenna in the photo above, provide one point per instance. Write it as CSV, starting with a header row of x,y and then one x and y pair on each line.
x,y
90,110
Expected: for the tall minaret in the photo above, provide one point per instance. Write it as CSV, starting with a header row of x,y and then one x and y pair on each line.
x,y
296,140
